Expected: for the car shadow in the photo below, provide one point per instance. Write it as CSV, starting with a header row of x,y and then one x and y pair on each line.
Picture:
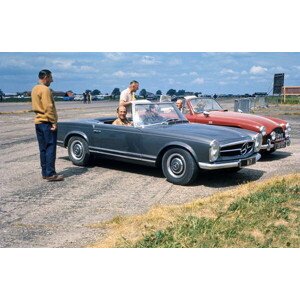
x,y
128,167
216,178
275,156
224,178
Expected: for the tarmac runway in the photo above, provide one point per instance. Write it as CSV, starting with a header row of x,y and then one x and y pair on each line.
x,y
36,213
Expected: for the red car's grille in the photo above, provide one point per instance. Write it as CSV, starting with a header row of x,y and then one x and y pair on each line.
x,y
279,134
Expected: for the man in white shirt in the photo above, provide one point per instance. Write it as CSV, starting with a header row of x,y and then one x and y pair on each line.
x,y
127,96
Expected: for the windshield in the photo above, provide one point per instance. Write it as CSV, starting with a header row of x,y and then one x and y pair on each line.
x,y
160,113
199,105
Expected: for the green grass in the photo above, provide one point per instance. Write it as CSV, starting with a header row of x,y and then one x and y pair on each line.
x,y
267,218
279,99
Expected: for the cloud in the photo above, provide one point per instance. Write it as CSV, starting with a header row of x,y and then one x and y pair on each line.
x,y
148,60
257,70
223,82
122,74
199,80
63,64
115,56
227,71
189,74
175,62
15,63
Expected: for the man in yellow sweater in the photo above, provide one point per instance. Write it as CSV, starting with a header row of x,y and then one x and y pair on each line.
x,y
46,125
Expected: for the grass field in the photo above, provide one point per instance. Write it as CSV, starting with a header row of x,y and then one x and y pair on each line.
x,y
256,216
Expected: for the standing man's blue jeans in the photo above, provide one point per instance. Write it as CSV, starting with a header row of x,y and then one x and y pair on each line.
x,y
47,144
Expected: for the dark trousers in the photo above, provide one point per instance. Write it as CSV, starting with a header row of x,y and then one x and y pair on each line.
x,y
47,144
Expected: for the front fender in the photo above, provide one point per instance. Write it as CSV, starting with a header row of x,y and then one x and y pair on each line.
x,y
74,133
170,145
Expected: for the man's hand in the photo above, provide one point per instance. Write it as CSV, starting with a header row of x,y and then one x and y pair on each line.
x,y
53,127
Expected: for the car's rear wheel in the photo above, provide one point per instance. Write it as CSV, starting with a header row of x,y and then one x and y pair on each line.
x,y
179,167
78,151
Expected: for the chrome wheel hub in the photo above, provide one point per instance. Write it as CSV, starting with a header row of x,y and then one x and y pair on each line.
x,y
176,165
77,150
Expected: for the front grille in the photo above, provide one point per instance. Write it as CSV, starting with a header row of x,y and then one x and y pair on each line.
x,y
240,149
279,134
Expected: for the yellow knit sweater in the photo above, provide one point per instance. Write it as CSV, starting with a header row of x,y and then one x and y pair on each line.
x,y
43,104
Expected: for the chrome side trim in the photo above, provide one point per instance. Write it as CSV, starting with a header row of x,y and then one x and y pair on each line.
x,y
216,166
123,156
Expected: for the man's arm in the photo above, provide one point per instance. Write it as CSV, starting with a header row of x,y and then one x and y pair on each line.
x,y
50,110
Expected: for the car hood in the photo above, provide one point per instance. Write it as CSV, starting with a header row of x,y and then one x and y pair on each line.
x,y
247,121
204,132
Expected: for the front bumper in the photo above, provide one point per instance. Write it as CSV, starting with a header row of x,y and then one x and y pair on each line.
x,y
236,164
280,144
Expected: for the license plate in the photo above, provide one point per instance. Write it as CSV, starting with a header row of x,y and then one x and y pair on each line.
x,y
280,145
248,162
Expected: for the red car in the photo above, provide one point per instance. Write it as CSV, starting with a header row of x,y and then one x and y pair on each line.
x,y
276,132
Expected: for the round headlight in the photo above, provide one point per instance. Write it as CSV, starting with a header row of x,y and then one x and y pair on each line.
x,y
262,130
257,142
214,151
273,135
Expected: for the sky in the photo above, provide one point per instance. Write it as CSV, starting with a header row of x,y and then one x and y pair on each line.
x,y
206,72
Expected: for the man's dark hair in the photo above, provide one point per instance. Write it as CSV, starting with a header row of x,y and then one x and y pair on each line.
x,y
44,73
134,81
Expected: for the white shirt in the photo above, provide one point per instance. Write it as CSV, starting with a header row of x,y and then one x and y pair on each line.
x,y
127,96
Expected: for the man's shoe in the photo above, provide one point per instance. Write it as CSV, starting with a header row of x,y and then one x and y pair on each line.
x,y
55,178
45,177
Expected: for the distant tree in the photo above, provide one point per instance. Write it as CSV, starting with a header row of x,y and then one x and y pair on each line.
x,y
158,92
96,92
143,93
180,92
115,93
171,92
215,96
1,95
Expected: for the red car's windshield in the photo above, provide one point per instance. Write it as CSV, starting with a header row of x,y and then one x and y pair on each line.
x,y
199,105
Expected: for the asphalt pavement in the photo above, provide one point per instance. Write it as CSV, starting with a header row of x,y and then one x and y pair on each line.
x,y
36,213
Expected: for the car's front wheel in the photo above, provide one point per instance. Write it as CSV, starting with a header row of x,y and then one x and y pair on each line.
x,y
78,151
179,167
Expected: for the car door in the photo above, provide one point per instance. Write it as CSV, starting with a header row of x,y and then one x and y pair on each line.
x,y
114,140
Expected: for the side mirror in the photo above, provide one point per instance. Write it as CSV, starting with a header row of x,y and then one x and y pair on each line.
x,y
206,113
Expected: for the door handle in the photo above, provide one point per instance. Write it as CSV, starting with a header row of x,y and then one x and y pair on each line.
x,y
97,130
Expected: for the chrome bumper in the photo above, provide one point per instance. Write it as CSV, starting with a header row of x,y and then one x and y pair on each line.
x,y
236,164
268,146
